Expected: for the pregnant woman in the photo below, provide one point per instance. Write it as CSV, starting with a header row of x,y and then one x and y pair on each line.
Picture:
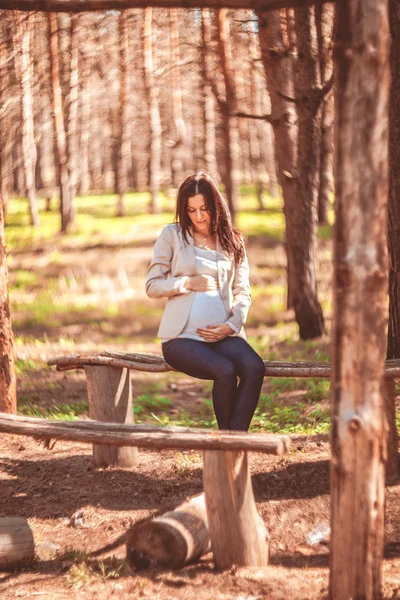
x,y
199,263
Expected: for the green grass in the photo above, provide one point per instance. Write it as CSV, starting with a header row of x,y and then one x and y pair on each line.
x,y
60,412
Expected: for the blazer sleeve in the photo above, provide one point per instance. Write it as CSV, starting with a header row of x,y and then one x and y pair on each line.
x,y
159,283
241,295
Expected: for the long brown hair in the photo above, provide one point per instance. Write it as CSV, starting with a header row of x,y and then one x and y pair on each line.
x,y
230,239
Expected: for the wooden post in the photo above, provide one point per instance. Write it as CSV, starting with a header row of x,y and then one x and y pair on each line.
x,y
358,430
173,539
238,534
16,542
392,460
110,400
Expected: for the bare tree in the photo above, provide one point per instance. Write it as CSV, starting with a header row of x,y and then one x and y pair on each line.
x,y
228,107
152,95
23,65
278,69
59,126
324,16
358,429
308,95
208,101
123,146
177,110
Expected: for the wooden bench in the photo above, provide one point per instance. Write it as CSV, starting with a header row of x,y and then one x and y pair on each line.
x,y
237,533
110,393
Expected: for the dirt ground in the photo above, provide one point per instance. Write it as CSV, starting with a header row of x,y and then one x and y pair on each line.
x,y
292,494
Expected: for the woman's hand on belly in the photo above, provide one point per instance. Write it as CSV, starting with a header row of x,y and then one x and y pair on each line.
x,y
202,283
214,333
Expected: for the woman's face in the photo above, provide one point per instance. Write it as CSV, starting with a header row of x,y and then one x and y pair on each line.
x,y
198,214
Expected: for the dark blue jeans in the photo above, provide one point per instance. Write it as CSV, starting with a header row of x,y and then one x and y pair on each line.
x,y
223,362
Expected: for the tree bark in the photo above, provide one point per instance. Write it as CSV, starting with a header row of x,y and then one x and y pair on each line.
x,y
208,102
152,96
358,430
238,534
123,146
73,98
278,70
59,127
24,68
178,148
307,82
8,388
324,16
85,115
17,547
393,348
228,107
173,539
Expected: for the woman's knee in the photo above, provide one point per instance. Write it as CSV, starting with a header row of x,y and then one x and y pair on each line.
x,y
225,370
254,367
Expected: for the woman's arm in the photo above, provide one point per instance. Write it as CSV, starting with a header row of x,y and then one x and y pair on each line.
x,y
159,283
241,296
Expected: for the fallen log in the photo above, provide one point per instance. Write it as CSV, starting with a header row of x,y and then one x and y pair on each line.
x,y
16,542
111,434
171,540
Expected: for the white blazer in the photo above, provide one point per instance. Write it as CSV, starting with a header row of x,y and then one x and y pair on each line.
x,y
174,259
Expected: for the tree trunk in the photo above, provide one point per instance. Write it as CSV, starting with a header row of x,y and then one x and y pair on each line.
x,y
177,110
172,539
324,16
278,70
5,49
59,127
228,107
238,534
72,138
260,133
24,68
8,389
307,81
358,426
84,179
154,112
208,102
123,146
393,349
17,547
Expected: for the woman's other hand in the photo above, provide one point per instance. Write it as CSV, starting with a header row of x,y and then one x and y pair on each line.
x,y
201,283
214,333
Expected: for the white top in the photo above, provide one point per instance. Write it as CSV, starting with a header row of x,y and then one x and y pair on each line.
x,y
207,307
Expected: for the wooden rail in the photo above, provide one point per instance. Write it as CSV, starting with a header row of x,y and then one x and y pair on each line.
x,y
154,363
144,436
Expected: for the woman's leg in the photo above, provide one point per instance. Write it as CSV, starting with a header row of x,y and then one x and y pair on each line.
x,y
250,368
199,359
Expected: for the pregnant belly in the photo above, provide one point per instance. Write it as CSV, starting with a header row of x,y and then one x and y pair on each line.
x,y
207,309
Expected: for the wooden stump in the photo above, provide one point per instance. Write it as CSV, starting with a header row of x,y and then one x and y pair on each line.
x,y
110,400
173,539
238,534
16,542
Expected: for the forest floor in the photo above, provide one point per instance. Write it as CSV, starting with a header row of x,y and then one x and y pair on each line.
x,y
85,292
